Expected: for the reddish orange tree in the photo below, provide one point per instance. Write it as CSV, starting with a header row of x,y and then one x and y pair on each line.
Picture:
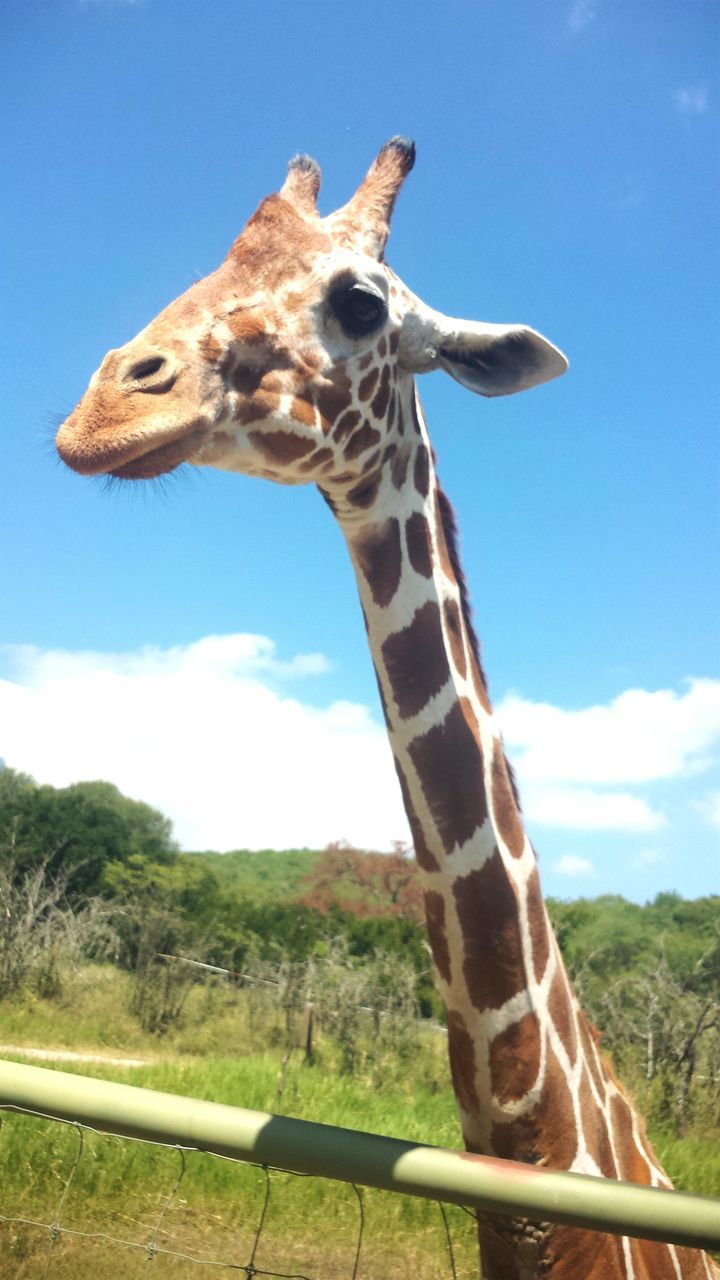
x,y
365,884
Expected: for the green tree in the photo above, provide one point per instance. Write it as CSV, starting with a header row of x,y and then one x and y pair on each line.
x,y
78,830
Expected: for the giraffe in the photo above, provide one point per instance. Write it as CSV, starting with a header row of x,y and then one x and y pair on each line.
x,y
296,361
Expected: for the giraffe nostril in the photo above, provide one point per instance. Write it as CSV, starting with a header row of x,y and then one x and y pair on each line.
x,y
145,369
156,373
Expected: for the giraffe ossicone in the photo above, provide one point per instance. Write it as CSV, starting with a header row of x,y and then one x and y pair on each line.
x,y
296,361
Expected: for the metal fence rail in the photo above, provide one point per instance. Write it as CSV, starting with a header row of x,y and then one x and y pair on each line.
x,y
302,1146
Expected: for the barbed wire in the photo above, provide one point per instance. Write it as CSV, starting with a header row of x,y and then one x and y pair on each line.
x,y
58,1227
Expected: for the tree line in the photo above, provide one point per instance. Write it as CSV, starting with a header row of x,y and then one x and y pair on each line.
x,y
86,871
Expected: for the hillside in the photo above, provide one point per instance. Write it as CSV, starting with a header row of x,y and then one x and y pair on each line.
x,y
263,874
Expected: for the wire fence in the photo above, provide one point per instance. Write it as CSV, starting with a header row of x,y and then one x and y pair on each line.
x,y
155,1231
238,1191
68,1218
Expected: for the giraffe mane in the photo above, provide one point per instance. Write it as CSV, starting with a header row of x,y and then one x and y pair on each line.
x,y
448,521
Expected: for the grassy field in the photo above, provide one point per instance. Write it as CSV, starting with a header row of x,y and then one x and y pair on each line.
x,y
119,1188
230,1052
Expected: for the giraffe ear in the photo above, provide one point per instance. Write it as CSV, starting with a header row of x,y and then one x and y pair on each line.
x,y
496,359
490,359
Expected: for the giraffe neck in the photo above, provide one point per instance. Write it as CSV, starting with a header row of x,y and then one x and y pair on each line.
x,y
527,1074
494,951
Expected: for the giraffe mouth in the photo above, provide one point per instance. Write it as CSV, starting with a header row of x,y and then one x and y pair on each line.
x,y
161,460
83,449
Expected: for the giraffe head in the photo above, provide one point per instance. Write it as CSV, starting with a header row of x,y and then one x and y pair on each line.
x,y
285,361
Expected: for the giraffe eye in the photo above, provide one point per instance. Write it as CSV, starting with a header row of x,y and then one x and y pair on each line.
x,y
359,310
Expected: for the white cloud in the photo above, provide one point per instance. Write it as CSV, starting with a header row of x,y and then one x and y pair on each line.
x,y
639,737
693,100
584,809
569,865
207,733
210,734
582,14
226,656
582,768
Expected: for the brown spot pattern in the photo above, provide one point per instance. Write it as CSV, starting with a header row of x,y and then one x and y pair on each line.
x,y
399,468
327,499
416,661
487,909
302,411
448,760
364,494
380,402
443,553
415,418
419,545
281,446
333,397
559,1142
425,858
571,1253
317,460
514,1139
498,1254
368,384
504,808
382,347
401,419
422,471
257,408
652,1261
480,688
462,1061
437,932
561,1012
537,924
394,342
246,378
379,557
346,424
361,440
453,627
633,1166
595,1130
515,1059
590,1054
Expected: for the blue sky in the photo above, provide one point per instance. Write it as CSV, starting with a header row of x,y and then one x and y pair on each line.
x,y
200,642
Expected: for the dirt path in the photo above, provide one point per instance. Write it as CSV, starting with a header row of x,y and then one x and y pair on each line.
x,y
67,1055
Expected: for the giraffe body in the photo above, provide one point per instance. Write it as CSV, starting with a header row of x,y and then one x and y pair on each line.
x,y
296,361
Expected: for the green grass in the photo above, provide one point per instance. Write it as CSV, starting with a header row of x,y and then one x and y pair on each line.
x,y
93,1016
119,1186
692,1162
231,1051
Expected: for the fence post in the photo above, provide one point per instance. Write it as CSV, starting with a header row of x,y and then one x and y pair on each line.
x,y
308,1027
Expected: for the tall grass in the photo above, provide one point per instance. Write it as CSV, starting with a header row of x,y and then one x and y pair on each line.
x,y
221,1055
234,1048
119,1185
